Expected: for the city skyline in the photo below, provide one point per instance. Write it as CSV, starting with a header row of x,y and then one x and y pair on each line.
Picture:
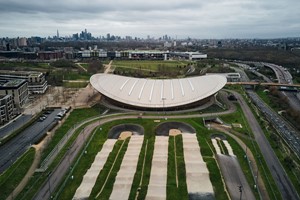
x,y
195,19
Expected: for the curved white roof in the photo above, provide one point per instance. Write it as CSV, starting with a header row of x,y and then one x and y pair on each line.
x,y
157,93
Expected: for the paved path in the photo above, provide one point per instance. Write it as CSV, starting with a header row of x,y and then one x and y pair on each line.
x,y
108,68
89,179
124,178
81,67
228,147
216,146
234,177
254,166
158,178
197,175
29,173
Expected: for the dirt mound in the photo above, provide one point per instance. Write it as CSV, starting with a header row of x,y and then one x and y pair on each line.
x,y
116,131
164,128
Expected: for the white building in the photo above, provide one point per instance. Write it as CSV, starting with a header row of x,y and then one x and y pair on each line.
x,y
158,94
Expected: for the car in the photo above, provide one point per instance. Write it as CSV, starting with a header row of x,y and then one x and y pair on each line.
x,y
58,117
48,112
42,118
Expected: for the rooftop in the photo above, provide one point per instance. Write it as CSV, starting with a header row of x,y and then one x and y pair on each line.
x,y
11,83
157,93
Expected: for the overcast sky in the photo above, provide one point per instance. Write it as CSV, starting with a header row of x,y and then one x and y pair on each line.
x,y
185,18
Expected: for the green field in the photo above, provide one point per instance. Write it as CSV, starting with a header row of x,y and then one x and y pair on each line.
x,y
149,65
10,179
157,69
203,137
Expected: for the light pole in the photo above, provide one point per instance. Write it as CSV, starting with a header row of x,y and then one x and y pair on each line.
x,y
163,99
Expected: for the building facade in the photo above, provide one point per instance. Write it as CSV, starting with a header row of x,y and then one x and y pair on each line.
x,y
37,83
18,89
6,108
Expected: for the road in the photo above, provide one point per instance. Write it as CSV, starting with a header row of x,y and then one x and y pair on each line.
x,y
282,181
234,177
14,148
284,76
288,133
14,125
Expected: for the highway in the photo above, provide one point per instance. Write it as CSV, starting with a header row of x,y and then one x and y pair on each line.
x,y
284,77
14,148
282,181
288,133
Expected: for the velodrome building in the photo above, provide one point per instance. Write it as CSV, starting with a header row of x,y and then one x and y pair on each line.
x,y
157,94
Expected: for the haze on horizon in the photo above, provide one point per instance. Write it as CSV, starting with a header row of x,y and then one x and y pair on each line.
x,y
189,18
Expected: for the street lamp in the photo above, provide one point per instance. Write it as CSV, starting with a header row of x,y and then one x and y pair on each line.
x,y
163,99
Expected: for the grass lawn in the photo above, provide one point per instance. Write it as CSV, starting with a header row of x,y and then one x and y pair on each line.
x,y
77,116
107,176
174,192
203,136
13,175
149,126
239,118
149,65
75,84
84,164
138,190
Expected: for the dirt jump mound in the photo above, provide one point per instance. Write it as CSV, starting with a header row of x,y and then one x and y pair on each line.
x,y
163,129
115,131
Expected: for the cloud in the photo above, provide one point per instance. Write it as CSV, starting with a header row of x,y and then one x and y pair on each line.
x,y
195,18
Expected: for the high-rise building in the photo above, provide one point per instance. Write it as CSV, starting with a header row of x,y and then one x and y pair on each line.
x,y
23,42
57,34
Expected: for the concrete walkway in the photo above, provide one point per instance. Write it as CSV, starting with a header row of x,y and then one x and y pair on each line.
x,y
158,178
124,179
89,179
197,175
229,149
216,146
